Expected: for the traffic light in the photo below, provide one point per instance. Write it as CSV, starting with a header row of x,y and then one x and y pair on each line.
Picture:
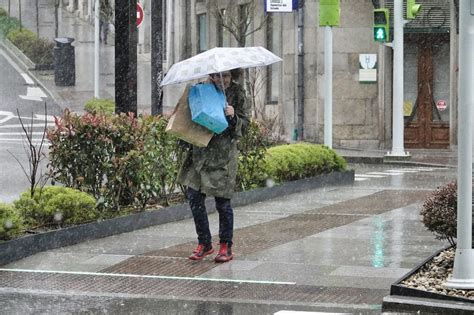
x,y
381,25
412,9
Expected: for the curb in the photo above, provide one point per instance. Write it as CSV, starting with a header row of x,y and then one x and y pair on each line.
x,y
381,160
18,61
412,305
20,56
30,65
403,298
25,246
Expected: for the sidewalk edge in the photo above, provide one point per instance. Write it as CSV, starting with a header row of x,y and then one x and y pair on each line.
x,y
393,303
24,67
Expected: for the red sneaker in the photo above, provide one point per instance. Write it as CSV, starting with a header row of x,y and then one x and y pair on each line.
x,y
201,251
225,253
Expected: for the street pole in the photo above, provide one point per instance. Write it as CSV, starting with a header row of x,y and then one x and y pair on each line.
x,y
19,14
328,86
397,127
96,49
89,10
125,56
132,71
37,19
463,271
156,57
299,131
59,17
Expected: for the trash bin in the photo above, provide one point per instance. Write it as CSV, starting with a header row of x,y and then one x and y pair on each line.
x,y
64,62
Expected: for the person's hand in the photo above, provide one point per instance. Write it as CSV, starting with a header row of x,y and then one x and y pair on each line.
x,y
229,111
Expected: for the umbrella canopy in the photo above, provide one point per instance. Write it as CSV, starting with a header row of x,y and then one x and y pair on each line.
x,y
216,60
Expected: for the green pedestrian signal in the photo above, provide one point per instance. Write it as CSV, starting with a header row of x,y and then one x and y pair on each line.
x,y
380,34
412,9
381,25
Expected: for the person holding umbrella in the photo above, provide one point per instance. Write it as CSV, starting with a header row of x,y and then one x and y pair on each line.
x,y
212,171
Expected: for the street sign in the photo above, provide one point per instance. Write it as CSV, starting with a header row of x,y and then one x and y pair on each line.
x,y
140,14
367,68
441,105
280,5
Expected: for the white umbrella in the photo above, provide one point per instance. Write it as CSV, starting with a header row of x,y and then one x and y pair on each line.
x,y
217,60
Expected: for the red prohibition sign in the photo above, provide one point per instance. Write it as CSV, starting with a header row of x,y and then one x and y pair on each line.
x,y
140,14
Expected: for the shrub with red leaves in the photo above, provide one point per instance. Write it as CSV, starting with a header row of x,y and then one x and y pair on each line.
x,y
439,212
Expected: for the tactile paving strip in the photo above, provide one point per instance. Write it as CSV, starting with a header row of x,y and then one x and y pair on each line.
x,y
162,266
263,236
259,237
189,288
376,203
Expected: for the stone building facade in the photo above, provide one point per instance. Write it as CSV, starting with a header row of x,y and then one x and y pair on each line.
x,y
362,100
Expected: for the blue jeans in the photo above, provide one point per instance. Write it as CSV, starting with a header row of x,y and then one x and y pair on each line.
x,y
226,217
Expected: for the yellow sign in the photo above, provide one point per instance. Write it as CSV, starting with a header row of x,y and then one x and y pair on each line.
x,y
407,108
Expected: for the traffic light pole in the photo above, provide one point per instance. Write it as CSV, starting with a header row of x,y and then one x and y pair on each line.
x,y
96,49
398,150
463,272
328,86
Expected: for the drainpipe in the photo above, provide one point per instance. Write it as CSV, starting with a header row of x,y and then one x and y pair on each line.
x,y
299,132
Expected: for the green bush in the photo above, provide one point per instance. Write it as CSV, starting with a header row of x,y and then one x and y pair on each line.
x,y
10,222
3,12
39,50
252,147
56,205
121,160
21,38
301,160
7,24
439,212
100,106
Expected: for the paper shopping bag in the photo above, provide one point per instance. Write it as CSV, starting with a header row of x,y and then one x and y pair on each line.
x,y
181,125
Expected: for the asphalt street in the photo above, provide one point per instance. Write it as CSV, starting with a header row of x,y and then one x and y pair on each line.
x,y
21,99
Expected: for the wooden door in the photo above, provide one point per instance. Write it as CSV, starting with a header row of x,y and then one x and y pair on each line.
x,y
427,125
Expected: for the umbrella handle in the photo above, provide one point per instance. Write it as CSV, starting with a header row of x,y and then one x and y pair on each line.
x,y
223,90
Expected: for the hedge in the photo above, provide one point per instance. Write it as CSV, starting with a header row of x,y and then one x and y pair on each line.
x,y
100,106
39,50
301,160
55,205
11,222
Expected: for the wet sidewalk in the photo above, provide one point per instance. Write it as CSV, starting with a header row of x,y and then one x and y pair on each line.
x,y
329,249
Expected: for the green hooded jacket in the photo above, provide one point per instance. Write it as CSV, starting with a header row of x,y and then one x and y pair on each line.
x,y
213,169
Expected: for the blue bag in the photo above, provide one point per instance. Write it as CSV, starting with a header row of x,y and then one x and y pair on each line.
x,y
207,105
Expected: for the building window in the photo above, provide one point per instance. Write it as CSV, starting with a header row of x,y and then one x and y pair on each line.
x,y
202,32
223,35
274,45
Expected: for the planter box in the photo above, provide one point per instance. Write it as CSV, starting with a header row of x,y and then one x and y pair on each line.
x,y
397,289
25,246
19,55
